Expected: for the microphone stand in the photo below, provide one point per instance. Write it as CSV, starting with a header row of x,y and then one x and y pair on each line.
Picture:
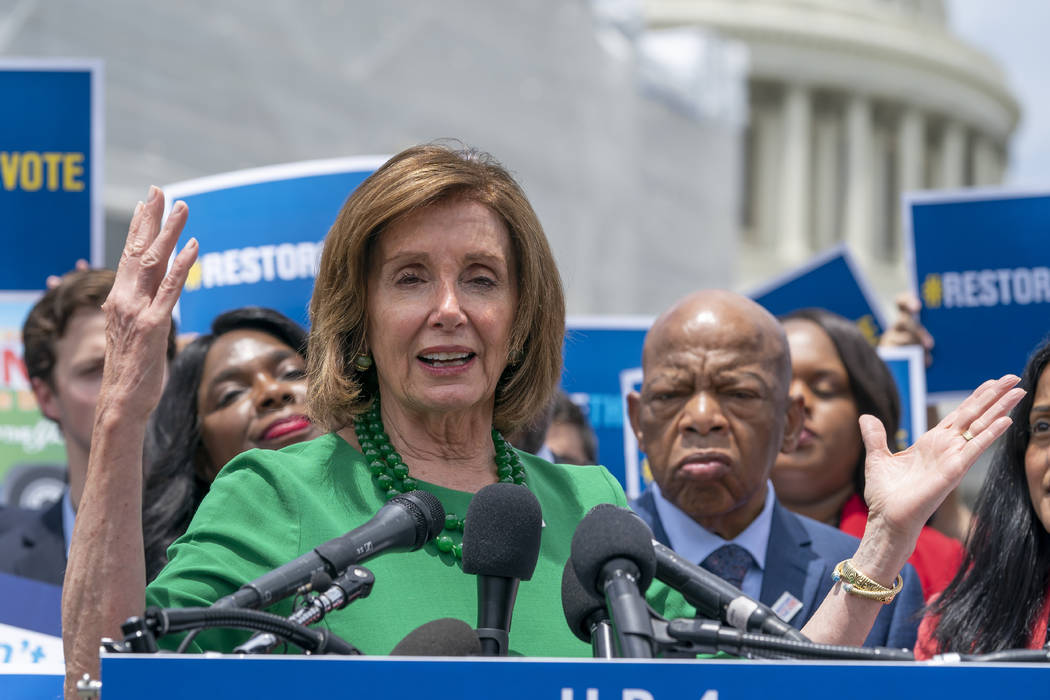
x,y
710,637
142,632
603,640
356,582
1003,656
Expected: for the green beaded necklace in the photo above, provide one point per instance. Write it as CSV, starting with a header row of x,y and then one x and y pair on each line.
x,y
390,473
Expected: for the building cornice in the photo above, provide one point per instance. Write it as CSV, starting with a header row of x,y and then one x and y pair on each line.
x,y
864,47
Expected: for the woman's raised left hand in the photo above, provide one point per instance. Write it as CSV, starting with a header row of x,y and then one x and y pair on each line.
x,y
903,489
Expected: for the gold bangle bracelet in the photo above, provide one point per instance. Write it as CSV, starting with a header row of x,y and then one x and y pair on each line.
x,y
856,583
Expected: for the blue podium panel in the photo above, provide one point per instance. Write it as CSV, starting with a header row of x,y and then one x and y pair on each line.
x,y
30,686
163,677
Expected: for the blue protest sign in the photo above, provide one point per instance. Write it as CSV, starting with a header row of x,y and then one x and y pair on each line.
x,y
602,356
981,266
907,364
829,281
261,233
50,168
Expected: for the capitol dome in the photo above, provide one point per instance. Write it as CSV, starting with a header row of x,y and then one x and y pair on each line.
x,y
852,102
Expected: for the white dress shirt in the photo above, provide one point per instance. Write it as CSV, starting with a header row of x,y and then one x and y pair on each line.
x,y
693,542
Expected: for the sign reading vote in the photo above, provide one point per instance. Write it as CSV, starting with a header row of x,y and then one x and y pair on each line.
x,y
829,281
981,266
261,232
50,169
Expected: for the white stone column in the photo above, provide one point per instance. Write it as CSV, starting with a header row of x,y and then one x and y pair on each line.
x,y
859,189
911,149
883,246
1001,157
767,172
827,178
985,162
950,171
795,202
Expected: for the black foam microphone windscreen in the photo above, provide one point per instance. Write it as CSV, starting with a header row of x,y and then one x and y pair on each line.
x,y
581,606
446,636
501,545
501,532
609,532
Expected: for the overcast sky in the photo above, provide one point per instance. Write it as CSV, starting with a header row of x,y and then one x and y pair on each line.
x,y
1015,32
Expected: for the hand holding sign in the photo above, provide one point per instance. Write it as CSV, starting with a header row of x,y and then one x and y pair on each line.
x,y
906,328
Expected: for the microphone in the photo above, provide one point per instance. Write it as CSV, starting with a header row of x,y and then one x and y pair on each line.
x,y
446,636
356,582
715,598
586,614
404,524
612,554
501,544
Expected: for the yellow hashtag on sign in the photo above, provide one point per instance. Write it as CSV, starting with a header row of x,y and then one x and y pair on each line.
x,y
866,324
932,291
193,279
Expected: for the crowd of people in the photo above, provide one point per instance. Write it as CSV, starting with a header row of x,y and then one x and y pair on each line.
x,y
437,324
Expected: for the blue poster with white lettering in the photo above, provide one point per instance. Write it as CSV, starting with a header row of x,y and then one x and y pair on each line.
x,y
981,266
603,357
260,233
50,169
829,281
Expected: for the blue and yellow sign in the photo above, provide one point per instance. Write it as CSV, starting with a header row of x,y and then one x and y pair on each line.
x,y
261,232
829,281
982,271
50,161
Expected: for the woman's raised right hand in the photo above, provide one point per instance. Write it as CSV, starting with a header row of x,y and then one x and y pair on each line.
x,y
139,306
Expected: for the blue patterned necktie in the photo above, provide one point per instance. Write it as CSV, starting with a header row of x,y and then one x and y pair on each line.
x,y
729,562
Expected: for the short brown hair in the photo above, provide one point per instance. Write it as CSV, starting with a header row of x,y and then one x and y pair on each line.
x,y
418,177
47,320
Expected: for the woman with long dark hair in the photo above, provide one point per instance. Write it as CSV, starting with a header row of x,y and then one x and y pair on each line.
x,y
999,600
839,376
241,386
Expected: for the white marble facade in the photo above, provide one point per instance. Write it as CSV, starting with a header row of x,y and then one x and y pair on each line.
x,y
851,103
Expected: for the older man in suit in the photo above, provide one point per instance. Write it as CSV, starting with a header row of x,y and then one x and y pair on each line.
x,y
711,416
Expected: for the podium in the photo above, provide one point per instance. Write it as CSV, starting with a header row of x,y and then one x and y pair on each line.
x,y
171,677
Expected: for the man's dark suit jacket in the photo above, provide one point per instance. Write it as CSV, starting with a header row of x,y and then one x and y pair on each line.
x,y
33,543
800,557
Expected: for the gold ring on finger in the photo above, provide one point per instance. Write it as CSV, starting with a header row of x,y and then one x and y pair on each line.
x,y
967,435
